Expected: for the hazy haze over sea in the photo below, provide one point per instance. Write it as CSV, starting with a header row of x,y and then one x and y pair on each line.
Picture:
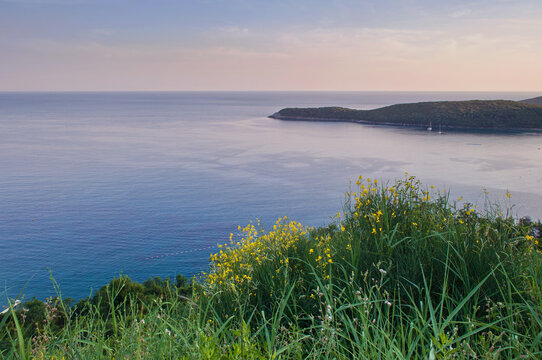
x,y
95,184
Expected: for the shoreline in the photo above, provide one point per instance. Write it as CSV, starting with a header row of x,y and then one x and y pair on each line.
x,y
277,116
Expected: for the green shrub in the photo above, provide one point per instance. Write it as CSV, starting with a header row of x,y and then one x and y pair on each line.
x,y
402,272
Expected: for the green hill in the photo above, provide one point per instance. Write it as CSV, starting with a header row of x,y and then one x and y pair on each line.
x,y
473,114
534,101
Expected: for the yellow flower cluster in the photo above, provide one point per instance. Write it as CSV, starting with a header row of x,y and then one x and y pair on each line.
x,y
235,265
533,240
366,192
381,208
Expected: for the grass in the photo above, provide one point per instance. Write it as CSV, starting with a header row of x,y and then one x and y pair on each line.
x,y
402,272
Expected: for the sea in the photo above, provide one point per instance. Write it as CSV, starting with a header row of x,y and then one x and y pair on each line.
x,y
98,184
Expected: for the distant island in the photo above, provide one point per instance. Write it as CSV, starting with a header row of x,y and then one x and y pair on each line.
x,y
472,114
534,101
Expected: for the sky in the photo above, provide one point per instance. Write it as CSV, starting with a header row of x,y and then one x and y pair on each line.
x,y
332,45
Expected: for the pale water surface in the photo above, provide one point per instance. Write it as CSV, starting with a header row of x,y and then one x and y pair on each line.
x,y
95,184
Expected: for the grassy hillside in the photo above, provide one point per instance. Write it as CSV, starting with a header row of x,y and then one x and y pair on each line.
x,y
533,101
403,272
476,114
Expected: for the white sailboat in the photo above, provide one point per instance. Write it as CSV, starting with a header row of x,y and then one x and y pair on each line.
x,y
430,128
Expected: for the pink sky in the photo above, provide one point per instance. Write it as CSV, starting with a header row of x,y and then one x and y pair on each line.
x,y
482,45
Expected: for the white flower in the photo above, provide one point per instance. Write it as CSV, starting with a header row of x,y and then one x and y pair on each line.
x,y
17,302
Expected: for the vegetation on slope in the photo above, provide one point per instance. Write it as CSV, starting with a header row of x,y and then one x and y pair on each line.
x,y
402,272
493,114
533,101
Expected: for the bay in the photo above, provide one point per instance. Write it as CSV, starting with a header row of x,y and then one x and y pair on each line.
x,y
147,184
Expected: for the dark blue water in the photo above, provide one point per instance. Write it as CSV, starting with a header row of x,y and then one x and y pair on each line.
x,y
146,184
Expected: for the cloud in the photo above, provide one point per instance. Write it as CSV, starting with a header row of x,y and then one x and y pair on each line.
x,y
461,13
482,54
103,32
45,2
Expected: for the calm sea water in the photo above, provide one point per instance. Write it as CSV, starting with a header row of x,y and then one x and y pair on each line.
x,y
146,184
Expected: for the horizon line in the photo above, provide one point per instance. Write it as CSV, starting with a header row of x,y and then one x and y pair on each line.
x,y
261,91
